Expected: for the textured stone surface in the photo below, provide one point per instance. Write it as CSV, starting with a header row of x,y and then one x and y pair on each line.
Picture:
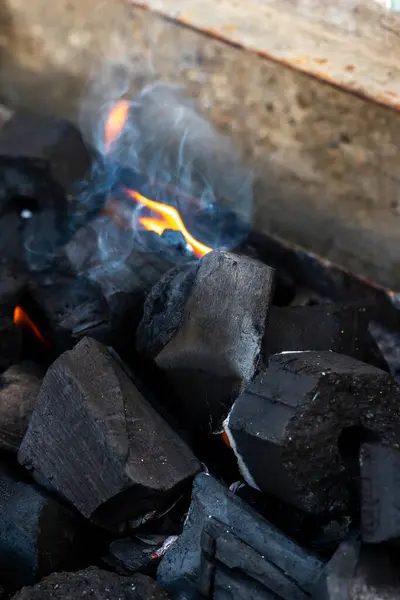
x,y
326,161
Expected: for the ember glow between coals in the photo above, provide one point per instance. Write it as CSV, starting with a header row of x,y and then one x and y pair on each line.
x,y
23,320
161,216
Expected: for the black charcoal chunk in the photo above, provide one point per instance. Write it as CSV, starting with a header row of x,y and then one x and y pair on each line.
x,y
95,584
293,427
100,443
139,553
19,388
216,349
163,309
72,306
380,492
55,141
37,534
360,572
222,535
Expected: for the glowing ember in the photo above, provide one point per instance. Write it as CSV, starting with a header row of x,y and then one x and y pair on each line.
x,y
225,439
23,320
170,219
115,123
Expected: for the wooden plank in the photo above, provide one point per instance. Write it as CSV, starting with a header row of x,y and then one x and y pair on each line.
x,y
351,44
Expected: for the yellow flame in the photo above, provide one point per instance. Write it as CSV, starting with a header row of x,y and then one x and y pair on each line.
x,y
22,319
170,219
115,122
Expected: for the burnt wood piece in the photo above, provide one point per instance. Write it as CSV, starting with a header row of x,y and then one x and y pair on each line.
x,y
360,572
26,184
95,584
110,455
222,533
123,276
300,421
380,493
72,307
10,343
164,308
139,553
341,328
19,388
56,142
37,534
216,349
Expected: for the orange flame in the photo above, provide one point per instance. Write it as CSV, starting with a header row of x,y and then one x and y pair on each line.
x,y
170,219
23,320
115,122
167,216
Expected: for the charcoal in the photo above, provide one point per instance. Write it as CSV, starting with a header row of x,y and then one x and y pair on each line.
x,y
124,277
140,553
19,388
37,534
110,455
216,349
360,572
163,309
10,343
72,307
380,493
224,535
95,584
341,328
301,419
54,141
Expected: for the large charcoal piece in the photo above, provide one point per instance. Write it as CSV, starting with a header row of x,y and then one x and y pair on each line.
x,y
360,572
342,328
73,307
19,388
101,251
37,534
226,545
216,348
95,584
380,492
100,443
300,420
55,141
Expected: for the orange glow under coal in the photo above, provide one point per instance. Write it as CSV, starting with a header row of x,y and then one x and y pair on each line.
x,y
23,320
164,216
115,122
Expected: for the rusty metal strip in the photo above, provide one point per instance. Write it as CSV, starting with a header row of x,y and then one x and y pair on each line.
x,y
354,46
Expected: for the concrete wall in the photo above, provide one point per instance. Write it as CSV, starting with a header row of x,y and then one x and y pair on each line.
x,y
326,161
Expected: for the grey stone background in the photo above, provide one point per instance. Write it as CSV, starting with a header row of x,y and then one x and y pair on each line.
x,y
326,162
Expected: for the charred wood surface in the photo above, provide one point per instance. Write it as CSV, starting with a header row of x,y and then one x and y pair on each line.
x,y
217,347
222,535
380,493
56,142
360,572
19,388
37,534
110,454
93,583
297,427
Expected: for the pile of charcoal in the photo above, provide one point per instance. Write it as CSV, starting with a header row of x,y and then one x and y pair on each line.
x,y
186,429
